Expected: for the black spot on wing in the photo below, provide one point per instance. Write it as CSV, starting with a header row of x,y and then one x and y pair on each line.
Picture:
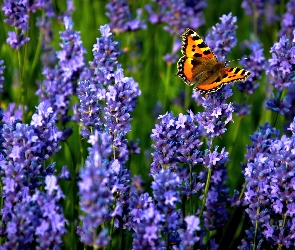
x,y
206,52
197,55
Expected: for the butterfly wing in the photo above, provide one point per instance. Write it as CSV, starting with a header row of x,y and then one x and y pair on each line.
x,y
194,46
223,77
197,56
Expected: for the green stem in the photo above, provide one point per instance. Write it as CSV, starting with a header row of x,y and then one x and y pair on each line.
x,y
206,191
256,228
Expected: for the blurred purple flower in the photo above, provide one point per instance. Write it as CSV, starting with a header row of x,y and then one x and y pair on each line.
x,y
255,63
121,19
258,8
241,109
222,38
2,80
269,174
178,14
288,22
188,237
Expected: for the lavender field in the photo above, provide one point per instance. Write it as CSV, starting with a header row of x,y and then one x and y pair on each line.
x,y
104,147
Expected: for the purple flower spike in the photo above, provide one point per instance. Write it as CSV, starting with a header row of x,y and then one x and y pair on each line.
x,y
95,184
177,15
215,214
2,67
255,63
121,17
282,64
223,36
288,22
188,237
105,52
121,99
270,176
176,142
89,108
217,113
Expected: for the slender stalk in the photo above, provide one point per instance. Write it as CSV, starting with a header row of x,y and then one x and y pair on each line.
x,y
206,191
191,187
256,228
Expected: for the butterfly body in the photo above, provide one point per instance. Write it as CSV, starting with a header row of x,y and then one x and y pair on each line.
x,y
199,66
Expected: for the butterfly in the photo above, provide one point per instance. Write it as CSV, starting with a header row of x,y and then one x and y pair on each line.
x,y
199,66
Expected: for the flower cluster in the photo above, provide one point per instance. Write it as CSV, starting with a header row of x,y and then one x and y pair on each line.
x,y
120,102
59,82
89,108
223,36
269,174
281,69
176,142
121,17
255,63
94,190
288,22
2,67
105,52
217,114
178,14
25,149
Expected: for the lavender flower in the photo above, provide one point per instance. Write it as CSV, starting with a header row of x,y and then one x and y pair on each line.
x,y
2,67
121,17
147,224
241,109
13,111
217,113
223,36
17,16
288,22
26,147
58,84
281,68
105,52
121,100
255,64
178,14
188,237
165,188
270,177
176,142
89,109
94,190
215,214
258,8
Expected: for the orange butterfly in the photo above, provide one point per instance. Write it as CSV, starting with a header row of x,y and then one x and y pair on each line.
x,y
199,66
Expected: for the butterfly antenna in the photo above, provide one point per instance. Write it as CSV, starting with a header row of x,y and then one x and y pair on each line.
x,y
246,58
